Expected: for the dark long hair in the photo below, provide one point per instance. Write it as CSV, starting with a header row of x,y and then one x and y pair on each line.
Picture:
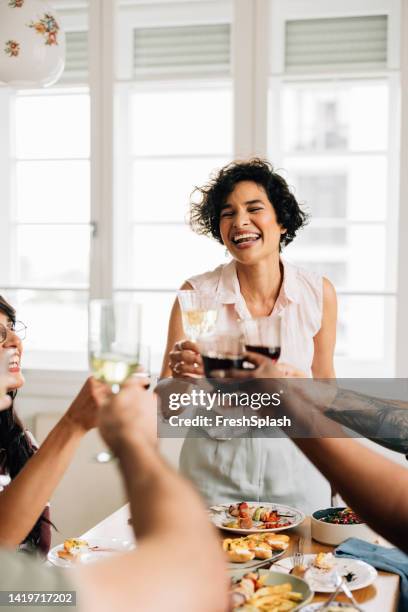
x,y
16,447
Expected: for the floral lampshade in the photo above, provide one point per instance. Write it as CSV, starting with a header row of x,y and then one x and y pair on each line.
x,y
32,44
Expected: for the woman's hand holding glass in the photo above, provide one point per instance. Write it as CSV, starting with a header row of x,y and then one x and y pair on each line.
x,y
84,410
185,360
199,313
130,415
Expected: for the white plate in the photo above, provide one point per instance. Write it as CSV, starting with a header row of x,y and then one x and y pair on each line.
x,y
219,514
324,581
98,549
341,607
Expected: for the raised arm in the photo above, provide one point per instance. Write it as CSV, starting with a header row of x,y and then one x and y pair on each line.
x,y
23,500
383,421
174,334
374,486
170,522
182,355
325,339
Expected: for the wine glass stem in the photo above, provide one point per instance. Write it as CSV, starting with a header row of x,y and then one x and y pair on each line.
x,y
115,388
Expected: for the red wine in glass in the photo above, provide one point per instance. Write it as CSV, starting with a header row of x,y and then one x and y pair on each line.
x,y
221,363
273,352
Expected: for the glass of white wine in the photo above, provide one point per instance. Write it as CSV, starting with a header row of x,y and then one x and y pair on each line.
x,y
114,340
199,311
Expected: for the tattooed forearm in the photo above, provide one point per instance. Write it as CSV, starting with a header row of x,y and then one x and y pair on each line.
x,y
385,421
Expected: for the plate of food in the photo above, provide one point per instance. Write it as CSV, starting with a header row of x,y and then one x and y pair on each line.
x,y
252,550
255,517
336,606
75,551
269,592
323,568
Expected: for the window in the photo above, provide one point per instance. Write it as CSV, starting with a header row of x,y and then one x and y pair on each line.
x,y
174,120
341,157
96,205
335,140
47,157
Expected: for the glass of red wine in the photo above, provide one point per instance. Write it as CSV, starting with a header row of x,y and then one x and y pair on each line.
x,y
263,335
221,352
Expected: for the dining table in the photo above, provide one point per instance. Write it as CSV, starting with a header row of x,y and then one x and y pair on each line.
x,y
381,596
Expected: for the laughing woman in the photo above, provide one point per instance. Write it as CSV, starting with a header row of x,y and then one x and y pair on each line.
x,y
249,209
28,477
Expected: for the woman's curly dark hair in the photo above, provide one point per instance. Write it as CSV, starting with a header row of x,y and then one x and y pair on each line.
x,y
205,214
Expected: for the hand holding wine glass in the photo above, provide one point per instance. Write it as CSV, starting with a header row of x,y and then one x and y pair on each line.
x,y
185,360
83,412
129,416
199,312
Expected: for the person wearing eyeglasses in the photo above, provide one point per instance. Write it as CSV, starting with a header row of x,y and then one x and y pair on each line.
x,y
178,563
28,476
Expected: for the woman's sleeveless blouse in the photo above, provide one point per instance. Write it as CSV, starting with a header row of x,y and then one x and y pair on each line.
x,y
262,469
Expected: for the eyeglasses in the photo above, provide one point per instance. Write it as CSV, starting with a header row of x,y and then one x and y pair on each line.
x,y
18,328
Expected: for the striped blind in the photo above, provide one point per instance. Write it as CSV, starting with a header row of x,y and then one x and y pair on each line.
x,y
185,50
344,43
76,60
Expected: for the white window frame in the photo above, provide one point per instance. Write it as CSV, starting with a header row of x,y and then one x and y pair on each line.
x,y
401,370
279,11
251,65
6,107
123,190
75,21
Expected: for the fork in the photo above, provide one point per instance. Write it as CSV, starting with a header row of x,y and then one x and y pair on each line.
x,y
298,560
301,543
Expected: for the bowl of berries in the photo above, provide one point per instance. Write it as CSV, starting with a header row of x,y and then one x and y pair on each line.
x,y
334,525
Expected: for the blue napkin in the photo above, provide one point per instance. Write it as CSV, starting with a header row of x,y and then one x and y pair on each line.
x,y
386,559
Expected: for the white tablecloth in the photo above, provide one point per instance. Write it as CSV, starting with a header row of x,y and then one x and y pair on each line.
x,y
114,526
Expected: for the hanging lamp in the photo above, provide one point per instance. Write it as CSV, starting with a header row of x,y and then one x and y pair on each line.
x,y
32,44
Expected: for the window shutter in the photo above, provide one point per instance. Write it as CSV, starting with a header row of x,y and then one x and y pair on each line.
x,y
183,50
76,60
336,44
